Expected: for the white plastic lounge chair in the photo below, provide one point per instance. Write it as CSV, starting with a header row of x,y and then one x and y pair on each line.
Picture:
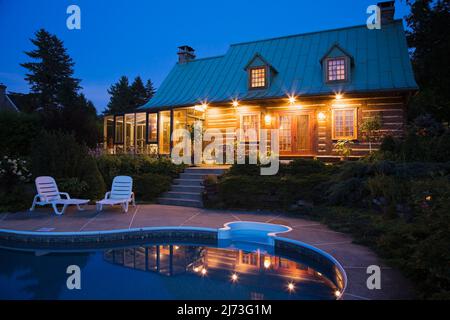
x,y
121,193
48,193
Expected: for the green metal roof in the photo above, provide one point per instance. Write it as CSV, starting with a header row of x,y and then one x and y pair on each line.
x,y
380,63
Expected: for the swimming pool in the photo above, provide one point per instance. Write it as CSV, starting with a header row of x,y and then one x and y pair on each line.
x,y
162,271
243,260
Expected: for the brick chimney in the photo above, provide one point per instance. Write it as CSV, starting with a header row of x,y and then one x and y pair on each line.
x,y
387,9
185,54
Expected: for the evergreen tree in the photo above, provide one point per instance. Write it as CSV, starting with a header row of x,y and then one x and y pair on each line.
x,y
51,73
150,89
138,92
429,39
121,98
127,98
55,92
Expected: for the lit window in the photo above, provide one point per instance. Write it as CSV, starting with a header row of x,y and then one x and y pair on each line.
x,y
336,69
118,130
258,77
250,127
250,259
152,127
344,124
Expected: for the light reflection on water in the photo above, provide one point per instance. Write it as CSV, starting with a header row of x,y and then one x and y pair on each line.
x,y
161,272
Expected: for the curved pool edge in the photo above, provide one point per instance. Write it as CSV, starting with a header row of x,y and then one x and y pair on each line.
x,y
342,285
263,231
16,239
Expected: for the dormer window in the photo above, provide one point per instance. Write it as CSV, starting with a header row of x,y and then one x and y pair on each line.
x,y
337,65
336,69
259,72
258,77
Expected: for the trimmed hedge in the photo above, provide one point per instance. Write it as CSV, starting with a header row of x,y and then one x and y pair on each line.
x,y
152,176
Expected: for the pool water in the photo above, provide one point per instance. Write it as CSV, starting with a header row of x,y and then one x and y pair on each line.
x,y
161,272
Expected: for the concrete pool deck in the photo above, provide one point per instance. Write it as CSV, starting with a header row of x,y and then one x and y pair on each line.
x,y
353,257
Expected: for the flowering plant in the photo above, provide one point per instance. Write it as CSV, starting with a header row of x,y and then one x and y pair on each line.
x,y
14,170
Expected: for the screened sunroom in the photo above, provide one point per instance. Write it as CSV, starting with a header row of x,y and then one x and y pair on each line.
x,y
146,132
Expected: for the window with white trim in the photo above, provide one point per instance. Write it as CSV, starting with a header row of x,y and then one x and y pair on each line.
x,y
344,124
250,125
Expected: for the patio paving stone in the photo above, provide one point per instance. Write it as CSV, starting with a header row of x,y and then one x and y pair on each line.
x,y
353,257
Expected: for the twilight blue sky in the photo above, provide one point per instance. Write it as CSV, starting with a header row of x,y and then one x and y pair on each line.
x,y
140,37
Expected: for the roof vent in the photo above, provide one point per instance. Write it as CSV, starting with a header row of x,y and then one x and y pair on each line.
x,y
387,11
185,54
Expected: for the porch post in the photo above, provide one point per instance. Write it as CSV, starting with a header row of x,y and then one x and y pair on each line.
x,y
171,130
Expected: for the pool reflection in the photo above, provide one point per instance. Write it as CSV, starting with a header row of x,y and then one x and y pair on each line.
x,y
252,269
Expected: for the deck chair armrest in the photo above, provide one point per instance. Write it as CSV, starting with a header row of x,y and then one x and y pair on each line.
x,y
40,196
65,194
107,194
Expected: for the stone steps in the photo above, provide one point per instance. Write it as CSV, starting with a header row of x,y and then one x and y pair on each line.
x,y
187,190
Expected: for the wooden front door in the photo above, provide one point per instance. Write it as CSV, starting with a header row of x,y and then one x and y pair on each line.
x,y
295,133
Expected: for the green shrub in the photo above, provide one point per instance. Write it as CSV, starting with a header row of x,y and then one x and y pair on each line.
x,y
348,192
244,169
17,131
15,193
60,156
73,186
114,165
148,186
210,179
416,146
390,191
304,167
355,169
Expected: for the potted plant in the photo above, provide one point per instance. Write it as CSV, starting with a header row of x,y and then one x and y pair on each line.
x,y
369,129
343,148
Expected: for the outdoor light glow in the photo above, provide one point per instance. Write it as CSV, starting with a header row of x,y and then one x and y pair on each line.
x,y
235,103
177,247
268,119
321,116
201,107
292,99
204,271
338,96
337,293
291,286
234,277
196,269
267,262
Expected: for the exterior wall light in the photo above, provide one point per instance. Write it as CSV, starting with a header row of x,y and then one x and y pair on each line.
x,y
267,263
291,286
292,99
321,116
235,103
338,96
201,107
268,119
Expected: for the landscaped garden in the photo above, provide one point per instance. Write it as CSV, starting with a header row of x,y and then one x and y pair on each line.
x,y
395,201
31,151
